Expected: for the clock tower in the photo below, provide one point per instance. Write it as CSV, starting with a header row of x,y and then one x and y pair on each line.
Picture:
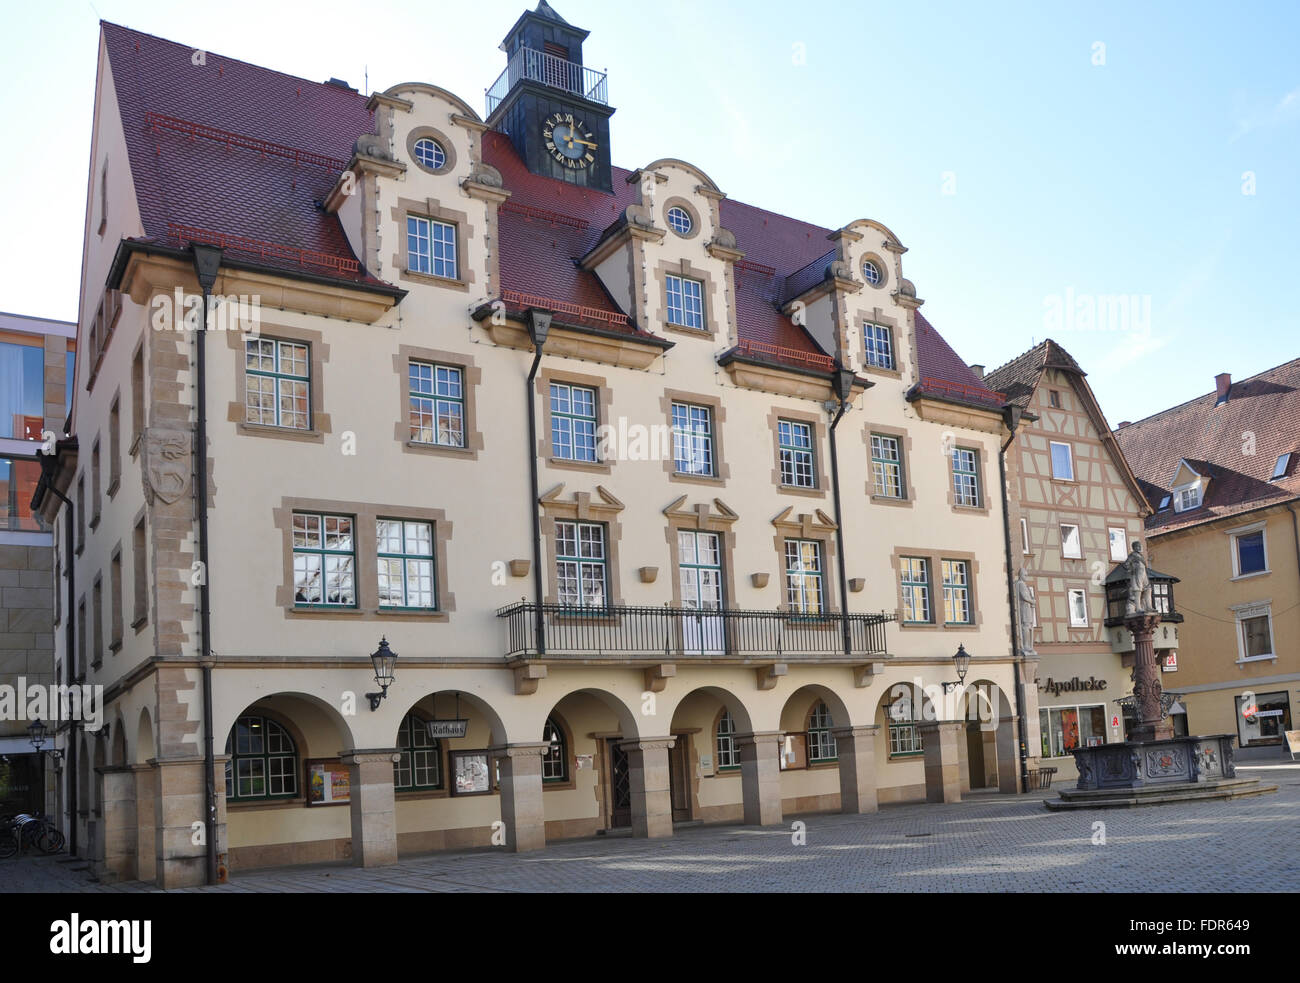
x,y
554,109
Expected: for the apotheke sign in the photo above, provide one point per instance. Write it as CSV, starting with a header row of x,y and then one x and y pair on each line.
x,y
1073,685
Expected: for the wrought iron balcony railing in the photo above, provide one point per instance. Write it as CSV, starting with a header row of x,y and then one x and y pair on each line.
x,y
537,66
686,633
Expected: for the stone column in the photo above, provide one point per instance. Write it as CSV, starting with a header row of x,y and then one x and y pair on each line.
x,y
652,803
1007,747
522,809
374,809
963,757
760,775
1151,726
178,805
117,826
146,829
856,749
941,739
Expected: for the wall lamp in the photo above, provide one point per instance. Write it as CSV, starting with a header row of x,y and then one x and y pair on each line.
x,y
384,660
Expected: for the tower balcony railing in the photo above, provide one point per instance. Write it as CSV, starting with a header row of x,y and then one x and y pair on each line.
x,y
528,64
670,632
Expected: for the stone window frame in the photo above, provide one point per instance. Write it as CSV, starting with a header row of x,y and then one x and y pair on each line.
x,y
874,258
1241,613
934,557
95,481
820,528
471,379
703,518
904,438
604,415
365,517
683,268
140,572
981,481
318,354
433,210
717,416
114,444
682,203
115,598
97,620
432,133
882,320
138,401
819,456
1234,546
601,508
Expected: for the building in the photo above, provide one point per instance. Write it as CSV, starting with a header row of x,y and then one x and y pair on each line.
x,y
36,360
1221,473
1075,508
674,508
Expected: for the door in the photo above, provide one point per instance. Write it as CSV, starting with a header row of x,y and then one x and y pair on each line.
x,y
679,785
699,564
619,788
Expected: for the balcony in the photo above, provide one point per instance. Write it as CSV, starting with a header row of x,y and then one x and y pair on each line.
x,y
675,633
528,64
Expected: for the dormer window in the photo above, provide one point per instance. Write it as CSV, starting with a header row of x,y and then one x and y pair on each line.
x,y
1189,498
685,302
429,152
1279,469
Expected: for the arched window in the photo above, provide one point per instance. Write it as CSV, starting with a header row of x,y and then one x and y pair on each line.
x,y
726,741
680,220
263,762
419,764
904,736
821,742
555,763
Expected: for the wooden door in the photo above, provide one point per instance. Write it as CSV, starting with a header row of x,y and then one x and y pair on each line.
x,y
619,787
679,778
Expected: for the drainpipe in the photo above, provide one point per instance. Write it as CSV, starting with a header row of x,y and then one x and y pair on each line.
x,y
539,326
207,261
1295,534
46,483
1011,417
843,384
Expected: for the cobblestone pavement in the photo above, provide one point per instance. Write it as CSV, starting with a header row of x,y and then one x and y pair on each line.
x,y
986,843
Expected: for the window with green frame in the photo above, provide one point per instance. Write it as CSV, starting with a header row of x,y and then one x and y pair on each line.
x,y
405,567
821,742
803,576
262,762
795,440
965,477
437,402
324,560
887,465
725,739
573,422
555,762
419,763
580,563
277,383
956,592
904,735
915,574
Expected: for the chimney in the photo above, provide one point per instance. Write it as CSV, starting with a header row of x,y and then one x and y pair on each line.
x,y
979,372
1123,424
1222,383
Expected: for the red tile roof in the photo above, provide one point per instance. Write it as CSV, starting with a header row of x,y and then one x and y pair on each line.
x,y
943,374
244,153
1019,377
1215,441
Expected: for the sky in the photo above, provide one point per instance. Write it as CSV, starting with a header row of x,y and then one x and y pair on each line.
x,y
1121,177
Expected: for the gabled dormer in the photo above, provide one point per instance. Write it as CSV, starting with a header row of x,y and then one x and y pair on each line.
x,y
1188,486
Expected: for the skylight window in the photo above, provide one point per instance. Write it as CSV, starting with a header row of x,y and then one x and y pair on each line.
x,y
1279,469
1164,504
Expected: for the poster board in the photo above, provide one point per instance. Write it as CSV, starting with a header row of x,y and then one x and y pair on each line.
x,y
470,774
794,752
329,782
1293,742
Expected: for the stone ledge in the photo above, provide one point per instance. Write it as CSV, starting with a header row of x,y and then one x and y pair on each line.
x,y
1158,795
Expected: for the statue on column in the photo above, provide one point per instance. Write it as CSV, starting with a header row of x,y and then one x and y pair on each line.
x,y
1139,583
1026,613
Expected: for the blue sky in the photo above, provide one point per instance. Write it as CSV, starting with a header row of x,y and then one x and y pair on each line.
x,y
1029,171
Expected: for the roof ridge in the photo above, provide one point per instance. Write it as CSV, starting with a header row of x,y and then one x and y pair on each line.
x,y
229,58
1214,393
1017,358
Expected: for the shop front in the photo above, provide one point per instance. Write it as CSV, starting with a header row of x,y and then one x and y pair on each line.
x,y
1078,706
1262,718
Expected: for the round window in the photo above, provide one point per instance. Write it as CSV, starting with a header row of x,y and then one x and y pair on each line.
x,y
680,220
430,153
871,273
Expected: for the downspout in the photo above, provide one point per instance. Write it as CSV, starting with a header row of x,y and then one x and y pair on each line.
x,y
539,325
843,383
1011,417
1295,534
69,662
207,261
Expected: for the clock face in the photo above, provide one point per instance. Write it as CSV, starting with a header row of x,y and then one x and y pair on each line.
x,y
568,140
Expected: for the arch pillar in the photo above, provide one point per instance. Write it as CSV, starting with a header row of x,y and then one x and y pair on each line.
x,y
652,804
943,740
373,805
856,749
521,794
116,859
1007,743
760,775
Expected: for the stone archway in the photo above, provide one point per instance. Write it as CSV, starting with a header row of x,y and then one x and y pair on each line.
x,y
990,740
710,725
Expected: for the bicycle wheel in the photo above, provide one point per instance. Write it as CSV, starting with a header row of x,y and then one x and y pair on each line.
x,y
50,840
8,844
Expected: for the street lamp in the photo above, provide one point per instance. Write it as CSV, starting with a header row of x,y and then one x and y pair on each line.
x,y
39,732
384,660
961,659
